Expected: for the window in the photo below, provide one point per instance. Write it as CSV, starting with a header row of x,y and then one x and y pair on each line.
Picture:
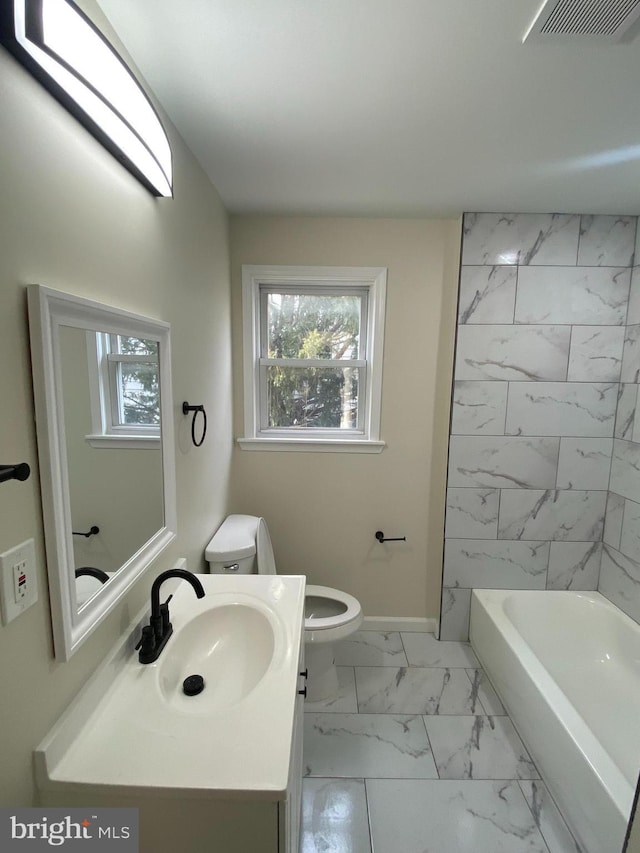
x,y
125,390
313,339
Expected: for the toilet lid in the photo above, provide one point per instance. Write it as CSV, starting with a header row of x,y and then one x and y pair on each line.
x,y
329,607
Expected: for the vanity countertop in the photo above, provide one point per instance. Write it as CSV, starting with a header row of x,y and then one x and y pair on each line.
x,y
122,734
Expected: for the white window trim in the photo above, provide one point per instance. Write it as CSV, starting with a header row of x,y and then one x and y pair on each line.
x,y
105,434
366,441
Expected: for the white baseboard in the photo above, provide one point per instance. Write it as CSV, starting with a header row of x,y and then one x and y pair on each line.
x,y
396,623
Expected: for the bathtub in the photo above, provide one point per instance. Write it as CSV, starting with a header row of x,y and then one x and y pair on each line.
x,y
567,668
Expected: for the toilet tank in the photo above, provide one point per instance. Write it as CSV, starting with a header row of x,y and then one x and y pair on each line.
x,y
233,546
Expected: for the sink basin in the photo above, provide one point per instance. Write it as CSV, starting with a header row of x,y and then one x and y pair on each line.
x,y
133,729
230,645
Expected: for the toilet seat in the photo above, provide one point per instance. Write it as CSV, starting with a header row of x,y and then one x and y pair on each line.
x,y
331,628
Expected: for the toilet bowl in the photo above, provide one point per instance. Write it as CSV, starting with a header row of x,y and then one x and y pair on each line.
x,y
242,545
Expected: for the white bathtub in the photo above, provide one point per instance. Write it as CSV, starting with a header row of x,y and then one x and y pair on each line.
x,y
567,667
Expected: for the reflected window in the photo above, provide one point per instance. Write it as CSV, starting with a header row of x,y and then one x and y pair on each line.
x,y
125,387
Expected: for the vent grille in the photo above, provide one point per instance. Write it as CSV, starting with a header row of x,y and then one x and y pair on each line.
x,y
569,20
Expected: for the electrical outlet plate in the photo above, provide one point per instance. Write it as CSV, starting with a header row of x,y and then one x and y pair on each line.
x,y
18,584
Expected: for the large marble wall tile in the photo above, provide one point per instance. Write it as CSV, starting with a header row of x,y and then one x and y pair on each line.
x,y
562,515
479,408
606,241
491,564
596,353
487,294
584,463
626,410
520,238
562,408
625,469
613,520
454,615
574,565
620,581
586,296
529,353
630,535
508,462
630,371
633,314
472,513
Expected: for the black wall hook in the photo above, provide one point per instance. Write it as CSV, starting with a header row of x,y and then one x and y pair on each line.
x,y
92,532
382,538
20,471
186,408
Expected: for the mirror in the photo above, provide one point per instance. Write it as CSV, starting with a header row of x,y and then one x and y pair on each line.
x,y
105,441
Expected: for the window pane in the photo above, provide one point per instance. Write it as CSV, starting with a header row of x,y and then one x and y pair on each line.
x,y
139,393
310,326
312,397
133,346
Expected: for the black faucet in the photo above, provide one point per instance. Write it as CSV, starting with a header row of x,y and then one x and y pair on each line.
x,y
157,632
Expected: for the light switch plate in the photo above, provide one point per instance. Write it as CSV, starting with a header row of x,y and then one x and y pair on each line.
x,y
18,584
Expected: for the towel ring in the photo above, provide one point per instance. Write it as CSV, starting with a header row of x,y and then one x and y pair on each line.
x,y
186,408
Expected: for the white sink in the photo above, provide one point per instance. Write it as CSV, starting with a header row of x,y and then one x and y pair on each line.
x,y
132,728
231,645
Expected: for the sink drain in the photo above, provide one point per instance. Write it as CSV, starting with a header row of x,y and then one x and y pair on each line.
x,y
192,685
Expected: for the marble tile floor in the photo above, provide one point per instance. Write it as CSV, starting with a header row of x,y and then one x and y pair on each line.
x,y
416,754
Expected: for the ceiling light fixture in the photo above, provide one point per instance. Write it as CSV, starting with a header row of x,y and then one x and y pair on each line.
x,y
63,49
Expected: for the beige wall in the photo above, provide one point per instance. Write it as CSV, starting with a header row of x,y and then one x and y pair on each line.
x,y
74,219
324,508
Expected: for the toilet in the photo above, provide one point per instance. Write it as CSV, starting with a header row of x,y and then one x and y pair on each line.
x,y
242,545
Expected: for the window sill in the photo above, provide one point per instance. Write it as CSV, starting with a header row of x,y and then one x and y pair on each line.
x,y
130,442
313,445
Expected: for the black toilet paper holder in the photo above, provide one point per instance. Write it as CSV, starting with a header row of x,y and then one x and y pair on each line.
x,y
382,538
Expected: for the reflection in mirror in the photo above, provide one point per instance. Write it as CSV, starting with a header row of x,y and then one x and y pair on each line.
x,y
115,488
104,421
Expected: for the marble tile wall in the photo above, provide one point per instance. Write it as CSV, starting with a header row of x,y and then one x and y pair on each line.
x,y
619,576
544,457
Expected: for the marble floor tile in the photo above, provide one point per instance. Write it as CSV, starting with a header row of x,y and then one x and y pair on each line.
x,y
486,694
409,816
548,819
478,748
334,817
414,690
371,648
345,701
367,746
425,650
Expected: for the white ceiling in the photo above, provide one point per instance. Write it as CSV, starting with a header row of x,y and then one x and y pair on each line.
x,y
391,107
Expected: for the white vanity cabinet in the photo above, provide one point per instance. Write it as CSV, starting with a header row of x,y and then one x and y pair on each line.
x,y
290,815
229,782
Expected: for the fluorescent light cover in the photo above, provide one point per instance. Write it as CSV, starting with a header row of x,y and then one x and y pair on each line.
x,y
71,58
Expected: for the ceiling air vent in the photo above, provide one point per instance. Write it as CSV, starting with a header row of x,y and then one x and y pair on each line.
x,y
561,21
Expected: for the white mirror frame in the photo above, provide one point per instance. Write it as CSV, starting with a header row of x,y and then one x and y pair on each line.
x,y
48,310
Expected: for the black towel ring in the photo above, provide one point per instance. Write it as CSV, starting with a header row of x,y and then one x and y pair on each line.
x,y
186,408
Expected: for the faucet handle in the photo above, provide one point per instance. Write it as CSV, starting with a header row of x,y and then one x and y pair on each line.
x,y
164,615
147,643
